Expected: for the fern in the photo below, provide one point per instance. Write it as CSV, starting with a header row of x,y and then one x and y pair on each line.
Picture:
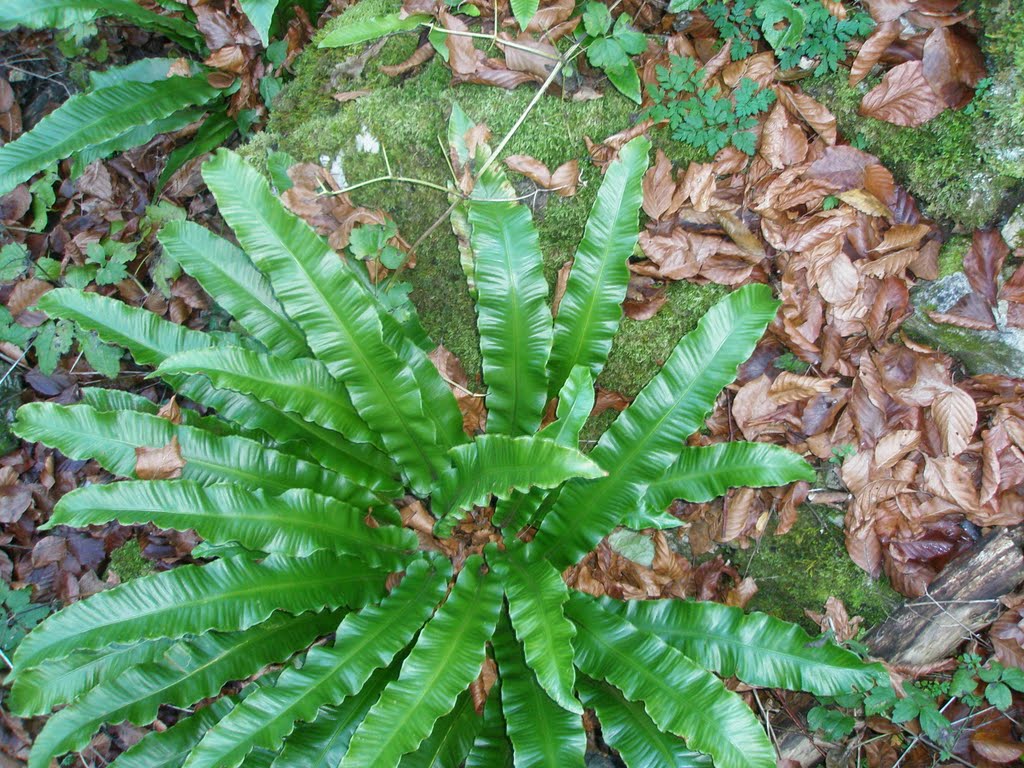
x,y
327,423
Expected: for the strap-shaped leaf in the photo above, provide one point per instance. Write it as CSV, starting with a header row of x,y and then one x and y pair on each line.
x,y
192,671
645,439
543,734
705,472
92,118
226,273
491,749
40,14
111,437
226,595
339,318
347,32
524,11
151,340
591,308
512,314
168,749
758,649
450,741
536,596
324,740
260,13
497,465
135,137
575,402
365,641
444,661
297,523
681,697
628,729
58,681
301,386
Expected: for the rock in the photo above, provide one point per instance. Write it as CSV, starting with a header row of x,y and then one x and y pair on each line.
x,y
1000,351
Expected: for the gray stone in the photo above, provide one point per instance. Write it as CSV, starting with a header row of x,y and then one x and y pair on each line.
x,y
1000,351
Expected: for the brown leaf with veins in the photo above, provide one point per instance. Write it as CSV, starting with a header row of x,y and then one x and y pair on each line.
x,y
984,261
903,97
872,49
956,417
163,463
562,182
792,387
783,142
471,404
658,187
952,65
810,111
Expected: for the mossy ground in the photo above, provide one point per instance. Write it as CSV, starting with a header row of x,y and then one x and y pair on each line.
x,y
128,563
965,167
409,117
806,566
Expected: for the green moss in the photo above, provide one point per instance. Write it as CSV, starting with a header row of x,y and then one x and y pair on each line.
x,y
951,255
128,563
954,177
806,566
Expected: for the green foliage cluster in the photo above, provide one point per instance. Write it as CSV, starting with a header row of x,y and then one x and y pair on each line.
x,y
18,616
331,413
609,45
974,682
701,115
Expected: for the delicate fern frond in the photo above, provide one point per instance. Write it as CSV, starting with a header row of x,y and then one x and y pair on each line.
x,y
646,669
226,595
193,670
543,735
365,641
591,308
536,597
444,661
92,118
297,523
646,438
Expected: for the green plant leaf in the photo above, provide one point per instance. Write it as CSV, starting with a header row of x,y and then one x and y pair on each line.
x,y
512,314
591,308
168,749
497,465
301,386
260,13
40,14
645,439
758,649
214,132
627,728
347,32
703,473
444,661
681,697
193,670
536,598
296,523
39,689
626,81
451,739
225,271
324,740
524,10
112,437
92,118
491,749
340,320
226,595
365,641
543,735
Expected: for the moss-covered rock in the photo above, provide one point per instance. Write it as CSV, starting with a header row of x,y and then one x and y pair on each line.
x,y
407,118
806,566
965,167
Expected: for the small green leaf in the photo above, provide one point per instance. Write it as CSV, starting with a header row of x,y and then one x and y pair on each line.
x,y
831,722
347,33
597,19
999,695
104,358
13,261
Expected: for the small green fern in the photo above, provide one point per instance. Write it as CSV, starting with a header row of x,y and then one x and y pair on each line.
x,y
329,416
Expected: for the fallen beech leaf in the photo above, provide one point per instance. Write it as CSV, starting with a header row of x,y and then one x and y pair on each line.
x,y
658,187
170,411
346,96
783,142
740,234
956,418
952,65
25,294
420,56
792,388
562,182
889,10
903,97
997,747
872,49
984,261
901,236
971,311
550,14
537,64
164,463
810,111
462,54
865,202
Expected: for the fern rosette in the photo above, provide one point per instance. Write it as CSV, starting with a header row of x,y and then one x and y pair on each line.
x,y
330,418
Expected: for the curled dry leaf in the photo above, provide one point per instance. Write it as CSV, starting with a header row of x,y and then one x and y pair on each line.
x,y
810,111
163,463
419,57
956,418
884,35
474,413
658,187
952,65
904,97
792,387
563,182
984,261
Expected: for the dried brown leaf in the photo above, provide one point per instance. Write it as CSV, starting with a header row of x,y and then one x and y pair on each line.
x,y
163,463
903,97
872,49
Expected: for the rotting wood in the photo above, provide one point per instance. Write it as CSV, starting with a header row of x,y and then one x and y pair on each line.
x,y
963,600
